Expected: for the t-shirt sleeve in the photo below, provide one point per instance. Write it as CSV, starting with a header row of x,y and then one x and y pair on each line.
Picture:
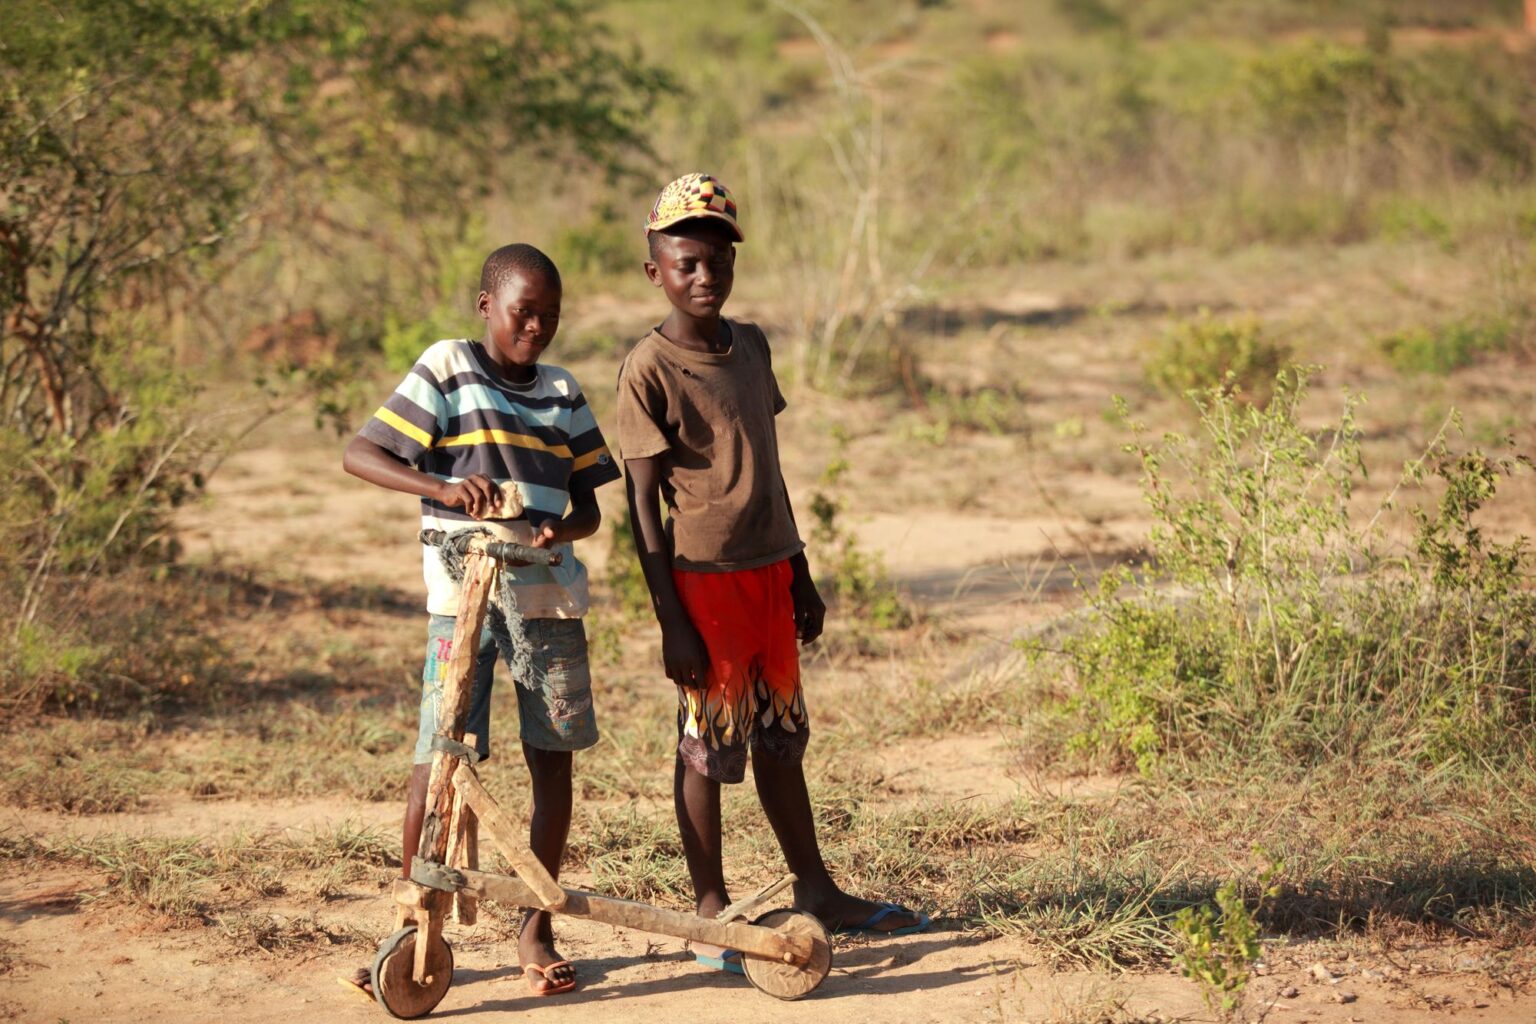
x,y
411,419
779,404
592,464
640,408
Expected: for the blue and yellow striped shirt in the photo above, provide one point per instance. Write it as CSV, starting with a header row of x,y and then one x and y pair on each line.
x,y
453,416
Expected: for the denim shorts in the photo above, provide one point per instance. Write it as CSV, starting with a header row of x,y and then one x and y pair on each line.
x,y
555,706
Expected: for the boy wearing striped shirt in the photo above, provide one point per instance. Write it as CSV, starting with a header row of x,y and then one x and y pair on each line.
x,y
471,418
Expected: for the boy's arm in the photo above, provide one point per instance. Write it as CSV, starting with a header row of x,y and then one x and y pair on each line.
x,y
810,610
378,465
683,653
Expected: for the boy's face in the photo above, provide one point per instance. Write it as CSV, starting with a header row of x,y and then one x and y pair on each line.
x,y
521,317
695,265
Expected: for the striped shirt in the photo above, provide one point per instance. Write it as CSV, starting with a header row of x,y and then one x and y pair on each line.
x,y
453,417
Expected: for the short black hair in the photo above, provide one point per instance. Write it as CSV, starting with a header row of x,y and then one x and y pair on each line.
x,y
520,257
685,228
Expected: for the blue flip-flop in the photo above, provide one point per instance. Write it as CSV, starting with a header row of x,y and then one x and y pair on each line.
x,y
867,926
729,961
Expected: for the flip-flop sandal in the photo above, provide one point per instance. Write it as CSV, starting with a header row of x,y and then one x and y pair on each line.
x,y
551,988
358,988
867,926
729,961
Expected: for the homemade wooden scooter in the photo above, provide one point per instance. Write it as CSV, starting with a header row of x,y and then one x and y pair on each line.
x,y
785,953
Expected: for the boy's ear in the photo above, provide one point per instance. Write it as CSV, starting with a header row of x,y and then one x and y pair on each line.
x,y
653,273
483,305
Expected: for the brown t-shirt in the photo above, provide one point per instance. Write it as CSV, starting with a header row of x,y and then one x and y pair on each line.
x,y
709,417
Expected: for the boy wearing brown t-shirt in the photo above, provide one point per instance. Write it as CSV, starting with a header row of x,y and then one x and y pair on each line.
x,y
727,572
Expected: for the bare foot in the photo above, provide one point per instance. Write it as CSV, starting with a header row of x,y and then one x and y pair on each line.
x,y
536,947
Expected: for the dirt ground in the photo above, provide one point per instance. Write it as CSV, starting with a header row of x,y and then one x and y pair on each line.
x,y
284,504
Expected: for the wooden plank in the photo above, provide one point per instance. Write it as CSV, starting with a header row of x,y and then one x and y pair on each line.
x,y
749,906
463,850
458,686
409,894
546,891
763,942
429,926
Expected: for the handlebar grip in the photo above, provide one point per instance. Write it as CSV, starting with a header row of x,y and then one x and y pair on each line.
x,y
501,550
506,551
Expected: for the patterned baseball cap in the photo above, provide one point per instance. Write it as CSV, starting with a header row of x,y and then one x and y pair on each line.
x,y
693,196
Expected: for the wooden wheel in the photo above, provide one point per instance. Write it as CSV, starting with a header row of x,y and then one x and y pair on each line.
x,y
393,985
791,981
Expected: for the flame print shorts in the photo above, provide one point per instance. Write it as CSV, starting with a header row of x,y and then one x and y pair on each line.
x,y
746,619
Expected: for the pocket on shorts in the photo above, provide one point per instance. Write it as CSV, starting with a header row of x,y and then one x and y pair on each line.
x,y
563,648
559,714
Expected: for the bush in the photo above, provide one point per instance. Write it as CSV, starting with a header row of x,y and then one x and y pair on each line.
x,y
1289,629
138,141
1448,347
1205,353
115,643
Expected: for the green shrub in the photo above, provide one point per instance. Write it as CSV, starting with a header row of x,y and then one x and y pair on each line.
x,y
1205,352
1220,945
1446,348
1289,628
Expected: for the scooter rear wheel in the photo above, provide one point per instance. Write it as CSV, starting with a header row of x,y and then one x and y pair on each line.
x,y
791,981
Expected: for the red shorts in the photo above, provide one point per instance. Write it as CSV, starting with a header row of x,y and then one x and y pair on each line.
x,y
747,621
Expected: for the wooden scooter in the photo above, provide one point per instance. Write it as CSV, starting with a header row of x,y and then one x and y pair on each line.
x,y
785,953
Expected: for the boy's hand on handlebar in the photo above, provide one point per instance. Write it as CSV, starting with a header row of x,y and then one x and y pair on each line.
x,y
684,655
474,494
550,534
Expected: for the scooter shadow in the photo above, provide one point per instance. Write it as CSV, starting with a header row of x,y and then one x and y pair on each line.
x,y
859,967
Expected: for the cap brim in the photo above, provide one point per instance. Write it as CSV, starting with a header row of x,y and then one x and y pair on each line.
x,y
662,225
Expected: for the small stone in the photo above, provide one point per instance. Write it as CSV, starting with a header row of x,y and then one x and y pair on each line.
x,y
1290,992
1322,973
1415,968
1370,975
1342,996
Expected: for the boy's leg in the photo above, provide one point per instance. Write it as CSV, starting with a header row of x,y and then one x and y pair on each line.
x,y
550,824
439,652
415,812
696,798
556,719
787,803
713,722
781,730
433,679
